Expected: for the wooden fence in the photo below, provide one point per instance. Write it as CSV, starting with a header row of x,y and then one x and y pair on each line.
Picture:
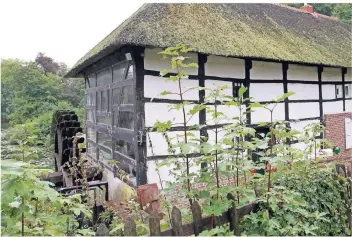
x,y
231,216
199,223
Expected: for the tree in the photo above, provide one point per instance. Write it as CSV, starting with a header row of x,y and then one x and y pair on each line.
x,y
47,64
342,11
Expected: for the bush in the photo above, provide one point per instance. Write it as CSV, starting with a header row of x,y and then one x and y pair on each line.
x,y
307,202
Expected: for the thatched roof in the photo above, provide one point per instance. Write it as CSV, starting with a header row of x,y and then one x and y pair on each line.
x,y
269,31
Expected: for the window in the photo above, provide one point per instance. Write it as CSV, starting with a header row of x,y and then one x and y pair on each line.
x,y
103,155
119,71
127,95
90,115
91,134
124,148
99,101
90,99
104,120
236,86
348,92
91,81
115,96
105,140
348,133
338,89
92,150
104,100
130,72
125,119
104,77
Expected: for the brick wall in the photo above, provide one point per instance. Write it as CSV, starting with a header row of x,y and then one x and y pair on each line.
x,y
335,132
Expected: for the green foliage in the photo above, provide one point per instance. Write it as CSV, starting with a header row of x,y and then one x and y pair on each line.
x,y
239,149
342,11
31,94
303,201
28,201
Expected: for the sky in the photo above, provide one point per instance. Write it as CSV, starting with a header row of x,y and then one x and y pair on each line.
x,y
62,29
65,29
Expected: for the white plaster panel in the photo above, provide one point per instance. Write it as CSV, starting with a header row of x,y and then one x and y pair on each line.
x,y
153,86
328,92
160,112
304,110
229,113
299,125
302,73
154,61
159,144
303,91
225,67
309,152
263,115
164,171
331,74
265,91
348,105
332,107
348,76
212,137
266,70
214,84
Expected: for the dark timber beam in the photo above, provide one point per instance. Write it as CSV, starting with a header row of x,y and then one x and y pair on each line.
x,y
284,78
139,116
201,82
246,83
344,71
320,72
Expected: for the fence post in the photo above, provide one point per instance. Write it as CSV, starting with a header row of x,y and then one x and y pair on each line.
x,y
129,228
197,218
233,215
154,224
176,220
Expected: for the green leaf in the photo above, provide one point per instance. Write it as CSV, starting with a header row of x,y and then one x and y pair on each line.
x,y
242,90
284,96
164,72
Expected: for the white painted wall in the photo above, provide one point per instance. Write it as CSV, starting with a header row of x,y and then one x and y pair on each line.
x,y
265,92
214,84
225,67
159,143
304,110
303,91
331,74
266,70
154,61
153,86
160,111
348,105
299,125
164,172
302,73
263,115
230,112
332,107
328,92
310,153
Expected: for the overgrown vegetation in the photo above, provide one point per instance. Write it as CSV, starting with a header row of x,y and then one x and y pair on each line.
x,y
235,164
30,93
343,11
233,150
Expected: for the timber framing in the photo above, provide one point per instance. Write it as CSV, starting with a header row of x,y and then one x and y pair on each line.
x,y
137,136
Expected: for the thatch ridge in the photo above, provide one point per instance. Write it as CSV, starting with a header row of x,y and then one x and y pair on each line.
x,y
267,31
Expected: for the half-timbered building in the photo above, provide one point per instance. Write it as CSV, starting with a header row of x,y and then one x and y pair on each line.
x,y
269,48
